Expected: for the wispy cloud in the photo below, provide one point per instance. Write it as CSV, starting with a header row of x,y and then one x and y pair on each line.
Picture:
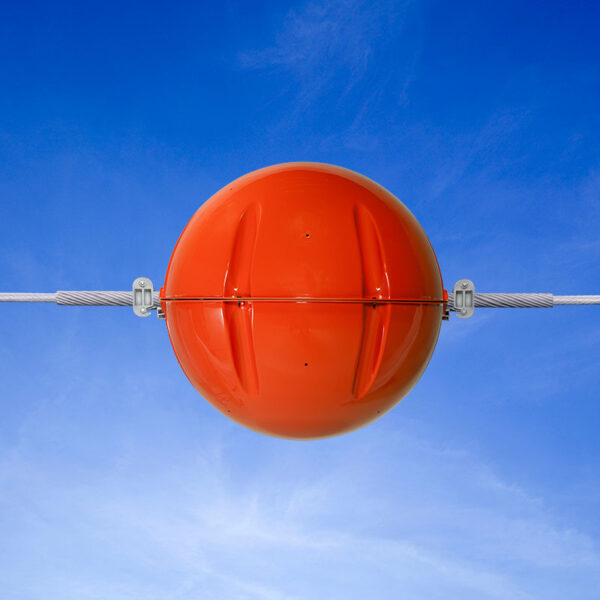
x,y
304,522
322,38
327,54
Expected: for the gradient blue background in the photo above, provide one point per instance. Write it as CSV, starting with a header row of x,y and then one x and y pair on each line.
x,y
117,120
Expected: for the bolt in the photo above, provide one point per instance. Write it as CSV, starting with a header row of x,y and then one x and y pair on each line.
x,y
463,311
465,284
142,310
142,283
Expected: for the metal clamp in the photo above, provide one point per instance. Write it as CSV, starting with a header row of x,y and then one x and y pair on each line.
x,y
143,297
464,298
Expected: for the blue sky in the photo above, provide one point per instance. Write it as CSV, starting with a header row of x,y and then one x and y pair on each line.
x,y
116,122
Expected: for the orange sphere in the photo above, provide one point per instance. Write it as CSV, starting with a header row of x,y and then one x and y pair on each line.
x,y
303,300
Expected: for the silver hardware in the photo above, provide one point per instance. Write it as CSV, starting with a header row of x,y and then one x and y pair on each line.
x,y
464,298
143,296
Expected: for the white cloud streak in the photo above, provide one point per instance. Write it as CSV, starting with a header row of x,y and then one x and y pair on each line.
x,y
329,520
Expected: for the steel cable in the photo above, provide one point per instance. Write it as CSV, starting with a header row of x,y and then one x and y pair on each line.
x,y
77,298
118,298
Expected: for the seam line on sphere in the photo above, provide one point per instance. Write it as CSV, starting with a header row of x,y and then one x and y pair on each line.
x,y
302,300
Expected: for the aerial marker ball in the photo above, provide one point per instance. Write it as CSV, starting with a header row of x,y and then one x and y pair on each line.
x,y
303,300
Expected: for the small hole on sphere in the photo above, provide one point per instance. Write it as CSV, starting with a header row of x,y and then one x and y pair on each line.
x,y
306,364
308,235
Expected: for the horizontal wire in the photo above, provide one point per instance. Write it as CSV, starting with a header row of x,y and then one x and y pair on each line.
x,y
77,298
576,300
125,298
505,300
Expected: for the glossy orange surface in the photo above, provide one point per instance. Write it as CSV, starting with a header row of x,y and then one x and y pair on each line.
x,y
303,300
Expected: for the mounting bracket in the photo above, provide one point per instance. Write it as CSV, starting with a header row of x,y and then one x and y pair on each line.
x,y
464,298
143,297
